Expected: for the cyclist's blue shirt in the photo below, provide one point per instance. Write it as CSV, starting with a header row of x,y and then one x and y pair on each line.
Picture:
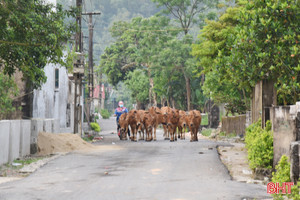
x,y
119,111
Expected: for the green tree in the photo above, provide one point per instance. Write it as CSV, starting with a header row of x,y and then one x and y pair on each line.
x,y
138,44
186,13
213,47
32,34
266,47
138,83
8,90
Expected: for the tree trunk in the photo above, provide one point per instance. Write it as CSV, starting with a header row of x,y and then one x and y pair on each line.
x,y
152,91
188,90
152,95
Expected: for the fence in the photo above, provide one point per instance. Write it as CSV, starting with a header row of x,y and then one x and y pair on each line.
x,y
235,124
18,138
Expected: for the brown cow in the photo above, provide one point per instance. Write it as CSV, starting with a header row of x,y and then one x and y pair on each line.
x,y
182,124
133,125
156,114
172,122
164,117
194,121
149,122
140,123
123,122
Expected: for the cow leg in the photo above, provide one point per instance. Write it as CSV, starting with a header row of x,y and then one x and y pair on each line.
x,y
154,139
196,134
135,135
180,132
171,134
192,135
183,134
166,132
143,130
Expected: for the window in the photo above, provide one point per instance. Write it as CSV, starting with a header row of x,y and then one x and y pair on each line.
x,y
56,78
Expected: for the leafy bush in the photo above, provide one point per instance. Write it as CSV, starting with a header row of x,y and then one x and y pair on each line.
x,y
95,126
281,175
104,113
259,143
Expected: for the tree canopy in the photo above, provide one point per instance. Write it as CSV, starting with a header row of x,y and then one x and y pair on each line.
x,y
32,34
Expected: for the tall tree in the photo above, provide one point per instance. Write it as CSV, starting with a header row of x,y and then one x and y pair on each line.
x,y
267,47
213,47
32,34
137,46
185,12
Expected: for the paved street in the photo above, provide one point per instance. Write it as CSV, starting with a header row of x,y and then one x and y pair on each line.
x,y
125,170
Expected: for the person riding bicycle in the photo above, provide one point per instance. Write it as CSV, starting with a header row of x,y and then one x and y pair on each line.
x,y
118,112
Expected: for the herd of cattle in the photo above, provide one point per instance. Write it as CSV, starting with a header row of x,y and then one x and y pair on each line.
x,y
146,122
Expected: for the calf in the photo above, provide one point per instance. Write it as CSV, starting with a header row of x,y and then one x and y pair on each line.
x,y
182,124
194,121
172,122
123,122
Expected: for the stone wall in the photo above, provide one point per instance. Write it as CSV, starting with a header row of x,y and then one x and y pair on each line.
x,y
235,124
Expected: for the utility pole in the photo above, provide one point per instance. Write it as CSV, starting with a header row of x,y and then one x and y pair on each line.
x,y
78,72
91,65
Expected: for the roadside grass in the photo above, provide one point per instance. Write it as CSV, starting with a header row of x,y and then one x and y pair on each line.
x,y
230,135
206,132
12,169
88,138
25,161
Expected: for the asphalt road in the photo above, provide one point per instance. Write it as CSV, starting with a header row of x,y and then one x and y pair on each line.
x,y
125,170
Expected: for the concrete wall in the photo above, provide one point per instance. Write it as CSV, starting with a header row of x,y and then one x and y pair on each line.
x,y
25,138
18,138
285,131
234,124
14,140
4,141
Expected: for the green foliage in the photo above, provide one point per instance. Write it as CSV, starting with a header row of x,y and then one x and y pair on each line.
x,y
104,113
281,175
204,120
88,138
259,143
138,83
8,90
187,12
95,126
214,43
32,34
295,192
266,47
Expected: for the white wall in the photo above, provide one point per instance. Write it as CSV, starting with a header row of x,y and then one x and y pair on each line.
x,y
51,102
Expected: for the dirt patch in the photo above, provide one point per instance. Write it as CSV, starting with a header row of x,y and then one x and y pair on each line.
x,y
49,143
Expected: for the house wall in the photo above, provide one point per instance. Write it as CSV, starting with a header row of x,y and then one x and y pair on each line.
x,y
55,103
